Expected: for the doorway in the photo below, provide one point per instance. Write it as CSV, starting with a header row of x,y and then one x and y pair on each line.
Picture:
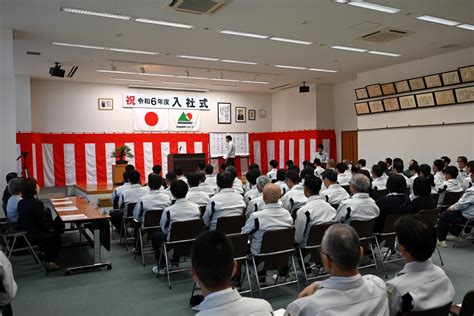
x,y
349,140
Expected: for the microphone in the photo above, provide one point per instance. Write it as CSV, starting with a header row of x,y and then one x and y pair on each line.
x,y
22,155
179,149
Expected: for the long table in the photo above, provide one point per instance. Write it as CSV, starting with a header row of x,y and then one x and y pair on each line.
x,y
87,216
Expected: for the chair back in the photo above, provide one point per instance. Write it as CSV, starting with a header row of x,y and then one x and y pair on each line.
x,y
430,215
467,307
347,188
239,245
335,206
364,229
182,235
380,193
451,198
202,209
230,224
275,241
388,230
315,238
130,208
152,218
438,311
435,197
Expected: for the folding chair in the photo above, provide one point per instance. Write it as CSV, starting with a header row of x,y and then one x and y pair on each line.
x,y
313,244
467,306
435,197
388,236
469,223
380,193
151,223
431,216
277,247
126,220
230,224
365,230
182,235
450,198
347,188
438,311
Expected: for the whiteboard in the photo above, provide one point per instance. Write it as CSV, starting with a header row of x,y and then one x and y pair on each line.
x,y
218,146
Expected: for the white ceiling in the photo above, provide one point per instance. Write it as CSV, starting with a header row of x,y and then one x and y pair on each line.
x,y
37,23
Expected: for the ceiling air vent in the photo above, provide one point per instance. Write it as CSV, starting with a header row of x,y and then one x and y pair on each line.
x,y
201,7
385,35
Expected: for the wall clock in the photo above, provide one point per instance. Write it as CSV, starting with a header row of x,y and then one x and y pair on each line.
x,y
262,113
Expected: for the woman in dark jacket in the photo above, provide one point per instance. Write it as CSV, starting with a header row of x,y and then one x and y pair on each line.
x,y
33,218
422,192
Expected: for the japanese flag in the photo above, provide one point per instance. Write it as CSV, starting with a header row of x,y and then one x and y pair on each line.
x,y
150,120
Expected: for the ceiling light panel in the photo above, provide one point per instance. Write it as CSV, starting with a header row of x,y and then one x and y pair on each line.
x,y
322,70
164,23
197,57
254,82
373,6
352,49
435,19
290,67
134,51
122,50
238,62
289,40
243,34
78,45
126,79
95,13
180,83
466,26
383,53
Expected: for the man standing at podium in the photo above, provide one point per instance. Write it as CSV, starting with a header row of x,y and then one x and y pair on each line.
x,y
230,155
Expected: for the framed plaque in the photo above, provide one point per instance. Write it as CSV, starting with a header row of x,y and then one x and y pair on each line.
x,y
433,81
450,78
425,100
417,84
388,88
402,86
391,104
407,102
374,90
465,94
362,108
467,73
376,106
444,97
361,93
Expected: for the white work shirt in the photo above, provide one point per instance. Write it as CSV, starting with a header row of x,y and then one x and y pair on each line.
x,y
230,302
206,188
251,194
230,150
283,187
272,174
153,200
118,191
131,195
8,281
255,205
316,211
322,156
335,194
344,178
198,196
337,296
12,208
183,178
212,181
319,171
439,180
411,180
362,208
451,185
423,284
182,210
237,186
167,191
294,198
225,203
365,168
380,183
466,203
467,183
271,217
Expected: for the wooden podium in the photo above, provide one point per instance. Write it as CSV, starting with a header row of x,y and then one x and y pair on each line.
x,y
117,173
188,162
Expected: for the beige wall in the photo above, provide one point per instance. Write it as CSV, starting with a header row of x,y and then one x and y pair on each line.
x,y
325,106
72,107
345,118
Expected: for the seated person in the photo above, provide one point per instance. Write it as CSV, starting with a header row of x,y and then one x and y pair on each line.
x,y
33,218
195,193
362,163
446,160
316,210
420,285
157,169
414,171
463,168
398,169
203,186
294,198
396,202
331,164
128,196
425,171
6,193
210,178
273,171
237,183
346,292
342,177
116,194
180,174
422,192
257,203
451,183
14,187
281,181
169,178
247,186
252,193
360,207
456,214
200,167
214,278
8,286
318,171
225,203
289,163
182,210
334,194
379,181
467,183
438,167
153,200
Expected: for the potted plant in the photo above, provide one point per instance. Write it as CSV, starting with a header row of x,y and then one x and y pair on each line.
x,y
120,153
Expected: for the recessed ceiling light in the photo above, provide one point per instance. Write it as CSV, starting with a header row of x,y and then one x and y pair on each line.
x,y
126,79
136,86
96,13
132,73
256,82
164,23
383,53
434,19
290,67
352,49
289,40
197,57
341,1
78,45
243,34
221,79
180,83
222,85
190,77
123,50
466,26
373,6
322,70
238,62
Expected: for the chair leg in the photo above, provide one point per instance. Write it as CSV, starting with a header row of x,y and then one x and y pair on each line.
x,y
35,255
302,265
122,231
12,248
294,270
375,258
125,225
7,245
439,255
112,231
247,272
167,265
381,258
461,234
256,276
194,289
142,247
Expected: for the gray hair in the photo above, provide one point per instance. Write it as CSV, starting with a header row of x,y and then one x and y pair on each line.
x,y
262,181
14,186
360,183
342,245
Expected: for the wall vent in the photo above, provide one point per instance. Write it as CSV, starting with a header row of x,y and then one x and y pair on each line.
x,y
33,53
200,7
385,35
